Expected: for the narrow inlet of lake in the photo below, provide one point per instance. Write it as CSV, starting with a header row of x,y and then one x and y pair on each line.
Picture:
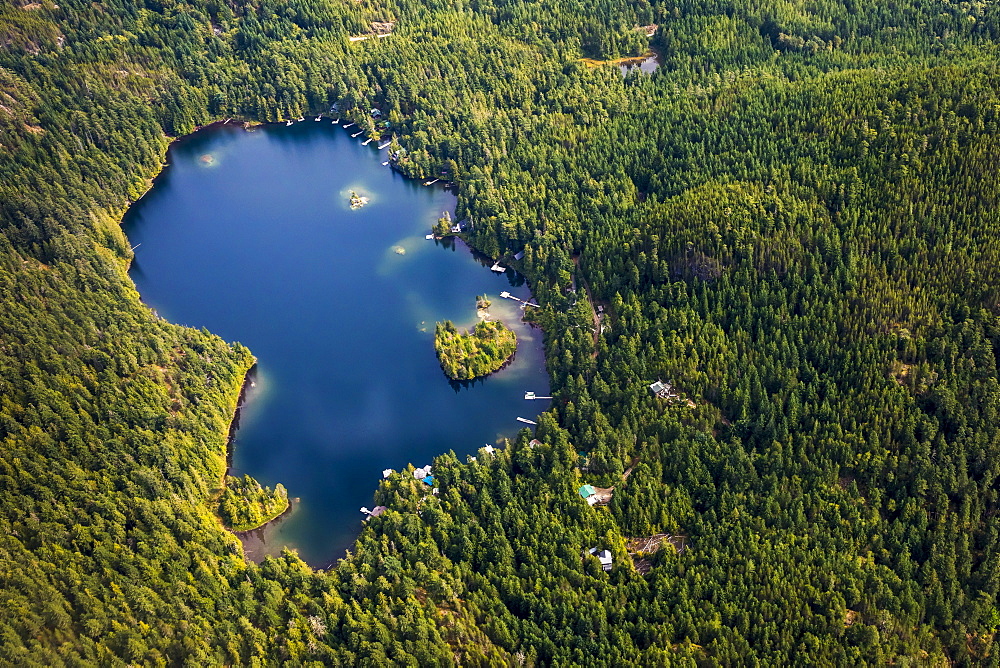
x,y
250,234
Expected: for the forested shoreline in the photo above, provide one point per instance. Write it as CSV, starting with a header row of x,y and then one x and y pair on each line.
x,y
794,221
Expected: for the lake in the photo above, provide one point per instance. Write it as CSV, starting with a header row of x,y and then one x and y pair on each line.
x,y
250,234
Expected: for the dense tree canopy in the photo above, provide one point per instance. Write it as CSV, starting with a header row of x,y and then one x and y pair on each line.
x,y
793,220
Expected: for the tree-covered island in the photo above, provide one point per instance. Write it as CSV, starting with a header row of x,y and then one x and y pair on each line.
x,y
468,355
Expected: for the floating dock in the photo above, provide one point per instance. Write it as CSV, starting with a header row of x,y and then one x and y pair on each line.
x,y
526,421
356,134
507,295
531,395
366,142
430,183
384,145
348,125
497,268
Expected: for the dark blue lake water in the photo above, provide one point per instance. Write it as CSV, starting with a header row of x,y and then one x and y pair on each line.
x,y
250,234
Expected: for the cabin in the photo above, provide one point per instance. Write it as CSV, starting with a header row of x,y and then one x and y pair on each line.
x,y
663,390
387,472
421,473
377,510
604,556
489,449
519,255
533,442
588,493
376,113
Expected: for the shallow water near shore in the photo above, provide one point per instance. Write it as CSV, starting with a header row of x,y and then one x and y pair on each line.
x,y
258,244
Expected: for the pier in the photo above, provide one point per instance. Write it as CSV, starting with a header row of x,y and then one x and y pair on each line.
x,y
497,268
357,133
526,421
384,145
531,395
349,125
507,295
367,141
430,183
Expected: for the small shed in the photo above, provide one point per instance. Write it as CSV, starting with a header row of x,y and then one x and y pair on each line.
x,y
604,556
387,472
587,491
377,510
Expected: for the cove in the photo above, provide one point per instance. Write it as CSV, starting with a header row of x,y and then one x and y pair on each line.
x,y
250,235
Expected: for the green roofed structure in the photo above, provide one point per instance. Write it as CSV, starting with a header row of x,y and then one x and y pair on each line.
x,y
587,491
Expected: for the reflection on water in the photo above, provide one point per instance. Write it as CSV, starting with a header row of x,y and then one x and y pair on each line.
x,y
646,64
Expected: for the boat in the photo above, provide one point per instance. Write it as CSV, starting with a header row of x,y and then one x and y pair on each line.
x,y
287,123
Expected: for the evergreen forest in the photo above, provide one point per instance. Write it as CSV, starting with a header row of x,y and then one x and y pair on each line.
x,y
795,221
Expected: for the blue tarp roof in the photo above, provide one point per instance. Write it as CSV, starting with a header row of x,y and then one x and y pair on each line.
x,y
429,480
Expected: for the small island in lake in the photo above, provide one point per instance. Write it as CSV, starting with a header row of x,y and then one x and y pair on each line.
x,y
469,355
357,201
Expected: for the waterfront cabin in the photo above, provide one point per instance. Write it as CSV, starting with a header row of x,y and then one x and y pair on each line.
x,y
387,472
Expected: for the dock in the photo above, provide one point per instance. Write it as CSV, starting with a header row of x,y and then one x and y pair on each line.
x,y
382,146
336,121
526,421
349,125
317,118
287,123
430,183
357,133
497,268
367,141
507,295
531,395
